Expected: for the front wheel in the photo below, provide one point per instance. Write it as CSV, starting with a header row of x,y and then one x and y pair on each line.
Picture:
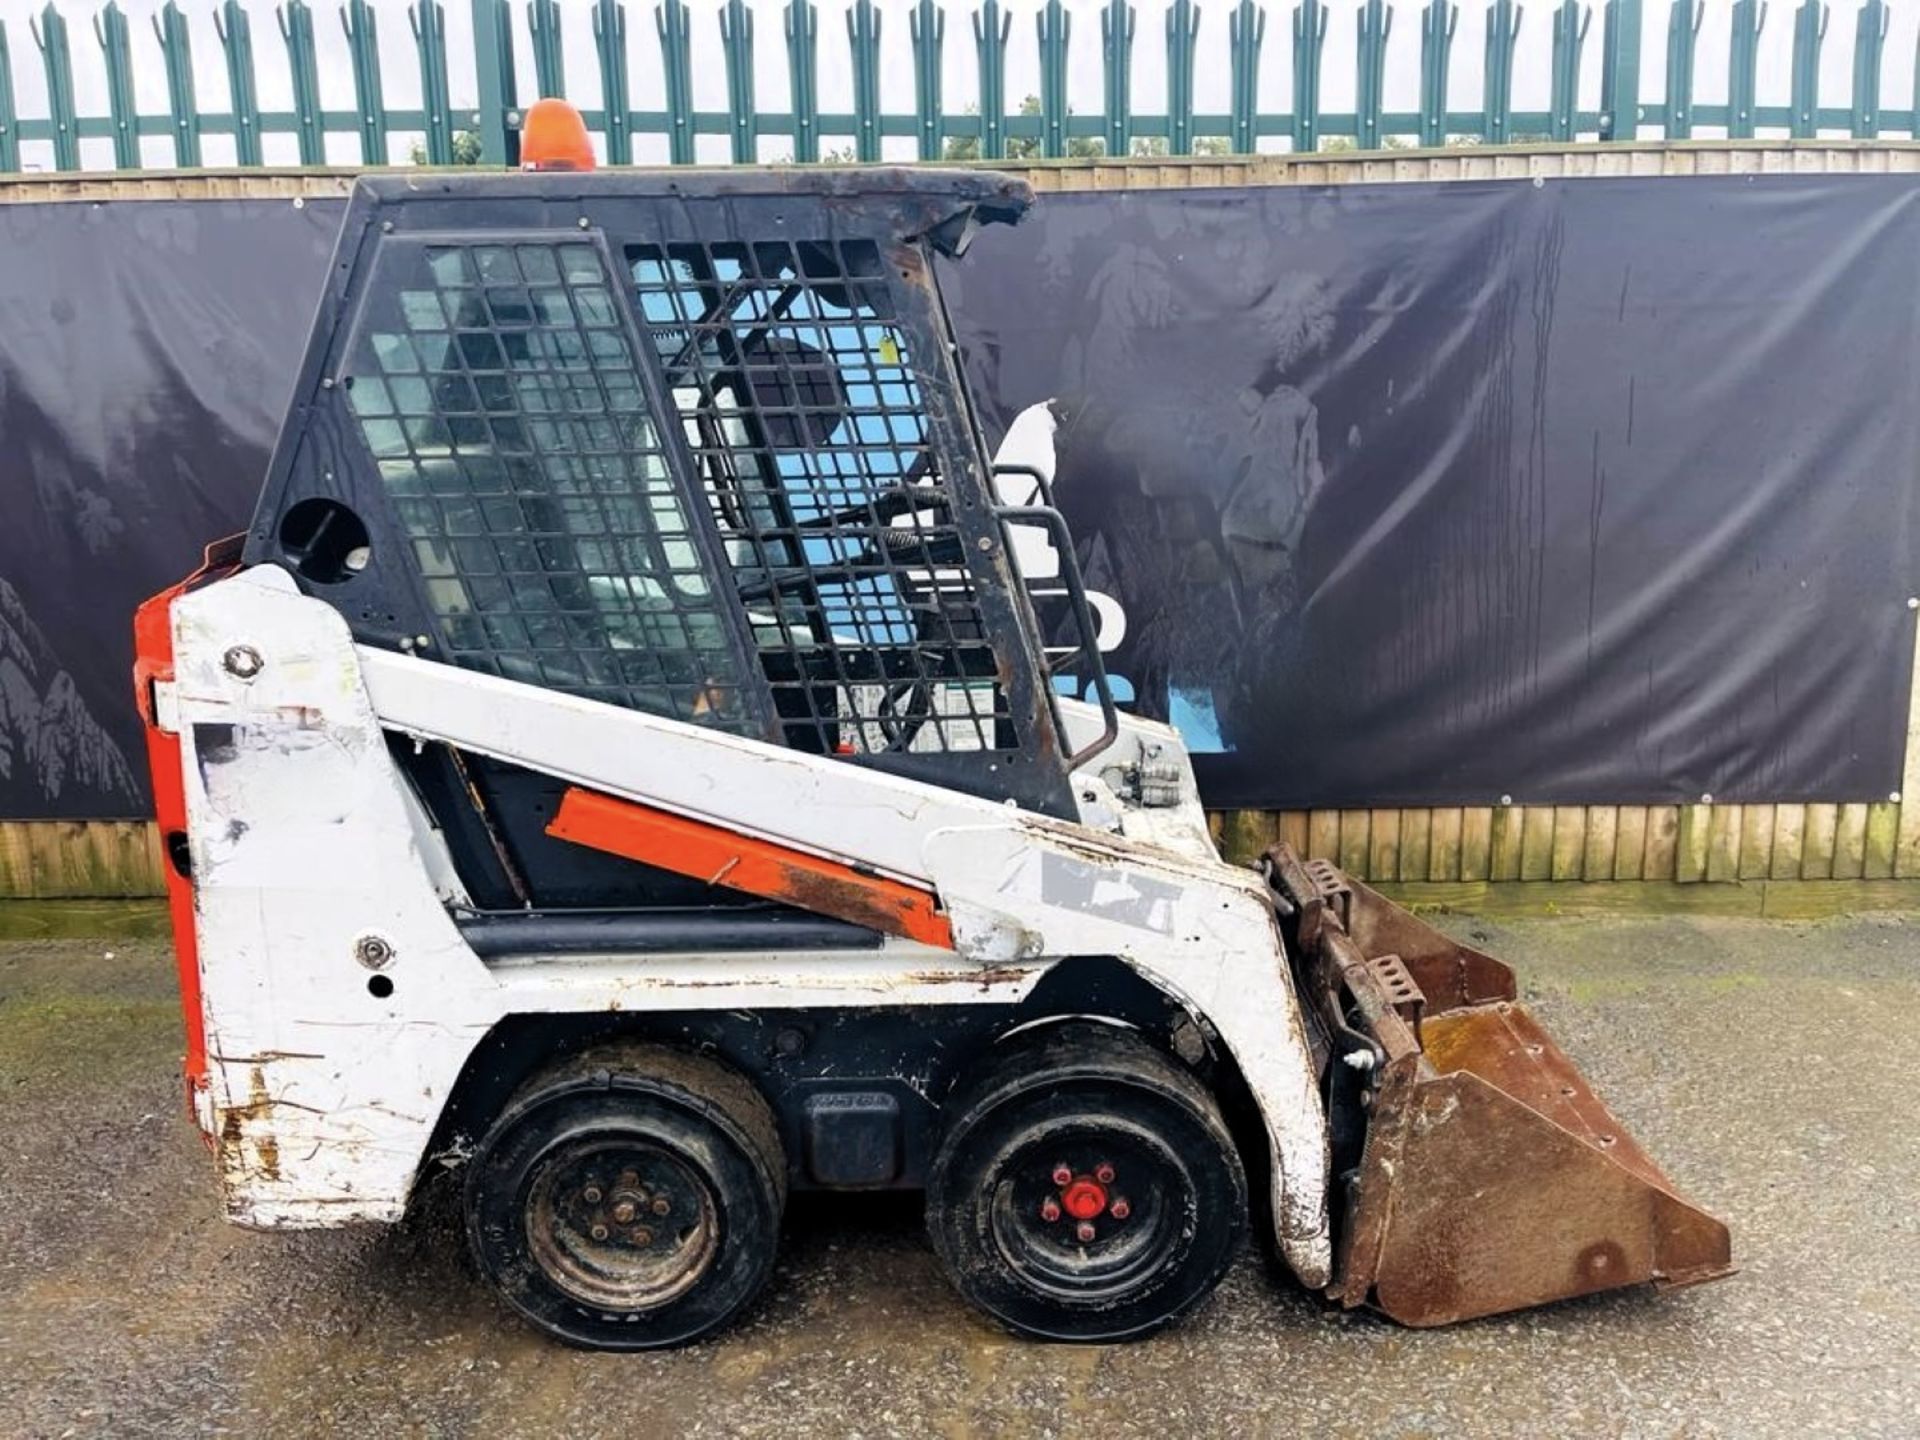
x,y
1086,1188
629,1199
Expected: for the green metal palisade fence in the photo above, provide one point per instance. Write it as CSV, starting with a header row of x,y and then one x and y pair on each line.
x,y
1210,37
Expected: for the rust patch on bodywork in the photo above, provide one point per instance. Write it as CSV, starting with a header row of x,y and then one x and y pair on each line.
x,y
985,977
248,1149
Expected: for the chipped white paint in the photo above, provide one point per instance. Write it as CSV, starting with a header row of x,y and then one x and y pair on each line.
x,y
325,1095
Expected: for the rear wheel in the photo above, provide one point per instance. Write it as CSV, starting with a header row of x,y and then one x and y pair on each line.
x,y
629,1199
1086,1187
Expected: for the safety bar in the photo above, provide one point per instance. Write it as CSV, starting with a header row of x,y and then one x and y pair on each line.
x,y
1088,649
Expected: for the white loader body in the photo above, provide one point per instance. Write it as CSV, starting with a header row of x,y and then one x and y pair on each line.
x,y
341,1001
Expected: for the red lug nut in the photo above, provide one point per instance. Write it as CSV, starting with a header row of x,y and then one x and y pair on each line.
x,y
1049,1209
1061,1174
1120,1209
1104,1174
1083,1232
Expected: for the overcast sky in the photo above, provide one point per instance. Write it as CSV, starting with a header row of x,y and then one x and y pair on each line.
x,y
402,82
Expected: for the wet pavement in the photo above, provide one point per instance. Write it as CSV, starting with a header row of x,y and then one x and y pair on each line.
x,y
1766,1066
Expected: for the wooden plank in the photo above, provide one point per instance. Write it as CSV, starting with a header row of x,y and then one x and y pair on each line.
x,y
1816,843
1569,842
1822,900
1416,843
1723,843
1756,842
1536,843
1690,844
1781,899
1353,842
1850,843
1293,830
1509,822
1630,844
1323,835
1596,854
1443,861
16,864
1788,832
1663,842
1245,835
1476,844
1383,845
1883,840
1907,855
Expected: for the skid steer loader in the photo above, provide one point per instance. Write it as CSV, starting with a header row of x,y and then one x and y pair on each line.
x,y
625,761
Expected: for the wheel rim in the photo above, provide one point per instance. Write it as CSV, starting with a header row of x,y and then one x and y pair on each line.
x,y
1089,1212
621,1224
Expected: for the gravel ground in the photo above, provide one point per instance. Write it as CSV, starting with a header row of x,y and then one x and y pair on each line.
x,y
1765,1065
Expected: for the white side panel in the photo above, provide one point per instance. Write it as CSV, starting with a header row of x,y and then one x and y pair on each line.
x,y
302,847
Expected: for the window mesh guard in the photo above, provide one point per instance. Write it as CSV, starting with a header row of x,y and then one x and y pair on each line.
x,y
797,396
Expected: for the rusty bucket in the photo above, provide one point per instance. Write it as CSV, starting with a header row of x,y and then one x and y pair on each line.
x,y
1482,1172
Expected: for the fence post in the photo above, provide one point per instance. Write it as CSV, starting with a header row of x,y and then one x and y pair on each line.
x,y
1749,19
176,47
1437,24
1309,35
990,33
1869,46
928,28
1183,26
1375,22
9,121
1116,46
363,39
429,24
497,117
1620,72
549,55
803,28
1570,23
1809,34
675,29
50,34
736,43
296,28
235,31
110,29
1683,30
1056,32
863,39
609,47
1246,30
1503,29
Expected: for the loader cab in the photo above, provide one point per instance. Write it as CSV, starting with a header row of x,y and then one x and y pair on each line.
x,y
695,444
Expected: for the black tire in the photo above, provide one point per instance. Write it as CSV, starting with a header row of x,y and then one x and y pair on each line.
x,y
1069,1101
629,1199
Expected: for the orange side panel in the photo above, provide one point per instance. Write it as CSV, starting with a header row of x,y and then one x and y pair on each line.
x,y
758,867
153,661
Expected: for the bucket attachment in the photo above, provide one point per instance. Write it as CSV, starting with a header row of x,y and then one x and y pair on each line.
x,y
1482,1172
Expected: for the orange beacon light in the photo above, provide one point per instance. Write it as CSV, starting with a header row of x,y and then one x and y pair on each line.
x,y
554,137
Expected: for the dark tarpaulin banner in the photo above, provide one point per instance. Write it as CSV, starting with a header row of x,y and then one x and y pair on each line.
x,y
1407,494
146,351
1596,491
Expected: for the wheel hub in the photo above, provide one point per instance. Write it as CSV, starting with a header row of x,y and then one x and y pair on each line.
x,y
1084,1198
627,1226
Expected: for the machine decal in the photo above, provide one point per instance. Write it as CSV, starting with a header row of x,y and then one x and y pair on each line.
x,y
759,867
